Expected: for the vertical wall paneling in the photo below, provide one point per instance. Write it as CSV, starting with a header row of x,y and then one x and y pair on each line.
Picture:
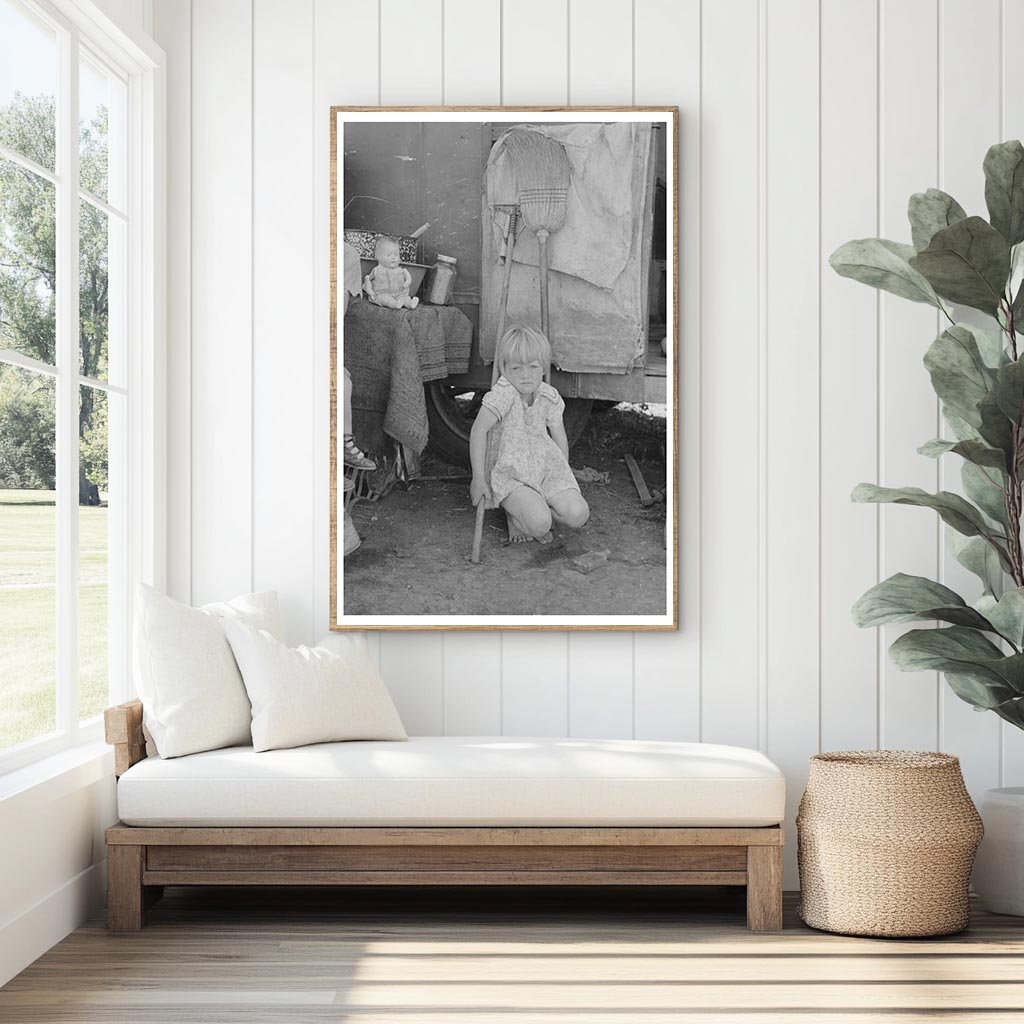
x,y
968,125
411,72
173,30
535,696
729,496
1012,127
221,370
472,52
666,666
284,338
796,136
472,74
411,69
909,415
849,368
535,69
600,667
792,416
413,665
534,59
472,684
600,65
346,27
600,684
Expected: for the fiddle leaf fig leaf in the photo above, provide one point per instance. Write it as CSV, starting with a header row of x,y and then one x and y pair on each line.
x,y
973,451
1006,614
962,430
1016,280
1017,309
903,598
958,371
964,652
1009,390
982,693
985,487
977,556
1004,189
996,428
990,345
967,263
952,509
883,264
929,212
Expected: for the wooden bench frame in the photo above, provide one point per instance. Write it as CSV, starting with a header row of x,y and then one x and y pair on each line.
x,y
142,860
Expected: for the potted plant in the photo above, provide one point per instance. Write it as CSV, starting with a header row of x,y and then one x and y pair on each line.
x,y
978,374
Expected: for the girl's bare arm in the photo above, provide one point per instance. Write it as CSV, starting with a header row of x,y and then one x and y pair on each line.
x,y
480,488
557,431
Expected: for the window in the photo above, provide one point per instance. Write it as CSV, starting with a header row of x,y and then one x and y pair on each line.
x,y
77,249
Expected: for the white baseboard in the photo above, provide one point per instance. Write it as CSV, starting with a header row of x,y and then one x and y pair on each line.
x,y
25,938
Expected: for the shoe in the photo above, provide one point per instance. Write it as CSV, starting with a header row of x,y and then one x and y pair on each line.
x,y
354,457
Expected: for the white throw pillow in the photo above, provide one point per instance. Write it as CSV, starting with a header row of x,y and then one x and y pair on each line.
x,y
192,693
309,694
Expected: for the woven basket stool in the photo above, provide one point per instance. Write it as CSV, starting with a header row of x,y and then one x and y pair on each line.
x,y
885,843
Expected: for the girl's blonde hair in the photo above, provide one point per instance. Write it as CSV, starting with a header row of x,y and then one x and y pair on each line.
x,y
524,344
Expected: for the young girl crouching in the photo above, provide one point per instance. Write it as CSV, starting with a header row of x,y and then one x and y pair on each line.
x,y
530,476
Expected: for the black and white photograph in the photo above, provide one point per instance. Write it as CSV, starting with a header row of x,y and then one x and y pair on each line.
x,y
503,354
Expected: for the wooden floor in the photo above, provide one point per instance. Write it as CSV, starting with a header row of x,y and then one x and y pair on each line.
x,y
217,956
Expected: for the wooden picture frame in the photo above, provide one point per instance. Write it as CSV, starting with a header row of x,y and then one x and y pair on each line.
x,y
428,153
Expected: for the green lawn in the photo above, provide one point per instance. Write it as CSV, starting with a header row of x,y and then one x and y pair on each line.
x,y
28,616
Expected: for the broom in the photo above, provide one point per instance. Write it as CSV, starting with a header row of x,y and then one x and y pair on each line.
x,y
541,171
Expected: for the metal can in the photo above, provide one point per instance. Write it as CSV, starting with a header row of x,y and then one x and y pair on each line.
x,y
441,283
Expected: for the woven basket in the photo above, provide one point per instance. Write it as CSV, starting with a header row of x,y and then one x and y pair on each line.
x,y
886,840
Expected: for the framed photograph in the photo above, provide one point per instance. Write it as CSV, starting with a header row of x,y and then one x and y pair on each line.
x,y
504,394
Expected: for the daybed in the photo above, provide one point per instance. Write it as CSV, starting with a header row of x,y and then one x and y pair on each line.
x,y
444,811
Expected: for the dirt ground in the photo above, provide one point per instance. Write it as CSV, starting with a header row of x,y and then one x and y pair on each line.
x,y
414,559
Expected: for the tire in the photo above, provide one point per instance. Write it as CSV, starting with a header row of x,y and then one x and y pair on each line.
x,y
451,410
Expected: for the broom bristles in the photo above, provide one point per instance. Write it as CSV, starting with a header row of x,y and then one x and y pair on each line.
x,y
541,171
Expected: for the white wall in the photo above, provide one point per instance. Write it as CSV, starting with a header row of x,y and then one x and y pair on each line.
x,y
804,123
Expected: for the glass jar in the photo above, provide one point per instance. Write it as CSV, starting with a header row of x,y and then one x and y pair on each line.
x,y
441,283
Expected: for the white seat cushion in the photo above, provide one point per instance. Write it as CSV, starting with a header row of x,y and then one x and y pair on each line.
x,y
459,780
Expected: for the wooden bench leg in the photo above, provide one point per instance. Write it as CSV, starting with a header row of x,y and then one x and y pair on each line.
x,y
764,888
125,897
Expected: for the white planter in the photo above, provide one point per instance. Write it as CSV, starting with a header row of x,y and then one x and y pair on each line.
x,y
999,866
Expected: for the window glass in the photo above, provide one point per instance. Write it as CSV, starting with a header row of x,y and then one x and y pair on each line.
x,y
28,563
28,85
93,550
95,236
101,104
28,263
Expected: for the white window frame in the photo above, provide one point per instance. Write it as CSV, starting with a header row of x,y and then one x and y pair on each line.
x,y
141,64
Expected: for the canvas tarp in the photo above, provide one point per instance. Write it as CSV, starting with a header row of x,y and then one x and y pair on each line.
x,y
598,259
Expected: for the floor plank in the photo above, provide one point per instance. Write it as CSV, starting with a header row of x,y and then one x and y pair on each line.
x,y
606,956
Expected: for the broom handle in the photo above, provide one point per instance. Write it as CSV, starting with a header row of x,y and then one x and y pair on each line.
x,y
542,241
505,281
478,531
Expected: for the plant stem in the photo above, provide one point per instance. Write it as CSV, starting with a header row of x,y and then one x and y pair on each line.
x,y
1012,497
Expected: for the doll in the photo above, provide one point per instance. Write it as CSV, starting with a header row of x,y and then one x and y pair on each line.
x,y
388,283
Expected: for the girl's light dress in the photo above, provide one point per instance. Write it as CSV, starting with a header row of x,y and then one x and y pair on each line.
x,y
526,453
